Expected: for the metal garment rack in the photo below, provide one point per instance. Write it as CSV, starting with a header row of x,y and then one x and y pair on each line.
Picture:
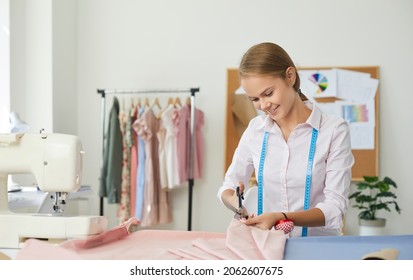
x,y
192,91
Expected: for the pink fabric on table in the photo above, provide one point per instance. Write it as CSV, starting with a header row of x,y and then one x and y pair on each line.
x,y
257,243
106,237
192,253
239,242
216,247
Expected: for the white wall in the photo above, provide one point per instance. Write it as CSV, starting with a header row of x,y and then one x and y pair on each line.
x,y
184,43
31,67
64,38
4,66
38,68
43,69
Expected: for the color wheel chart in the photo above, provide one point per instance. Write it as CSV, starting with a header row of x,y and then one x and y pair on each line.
x,y
320,81
355,113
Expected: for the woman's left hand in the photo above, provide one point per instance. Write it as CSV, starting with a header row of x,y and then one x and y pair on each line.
x,y
264,221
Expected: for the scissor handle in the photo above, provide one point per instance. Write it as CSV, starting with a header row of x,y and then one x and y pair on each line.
x,y
240,197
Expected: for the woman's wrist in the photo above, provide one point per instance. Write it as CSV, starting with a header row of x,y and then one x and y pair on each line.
x,y
285,224
281,218
285,215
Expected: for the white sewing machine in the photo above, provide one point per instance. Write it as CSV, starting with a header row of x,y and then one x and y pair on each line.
x,y
56,162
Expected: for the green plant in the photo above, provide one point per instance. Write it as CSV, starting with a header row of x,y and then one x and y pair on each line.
x,y
372,195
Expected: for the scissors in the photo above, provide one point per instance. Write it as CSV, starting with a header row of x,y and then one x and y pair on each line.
x,y
240,212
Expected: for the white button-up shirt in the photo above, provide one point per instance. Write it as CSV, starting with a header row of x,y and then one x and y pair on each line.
x,y
285,167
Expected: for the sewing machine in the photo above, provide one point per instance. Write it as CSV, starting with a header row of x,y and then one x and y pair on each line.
x,y
55,160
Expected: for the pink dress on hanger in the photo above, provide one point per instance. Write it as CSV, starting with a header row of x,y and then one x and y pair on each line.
x,y
182,124
133,163
155,203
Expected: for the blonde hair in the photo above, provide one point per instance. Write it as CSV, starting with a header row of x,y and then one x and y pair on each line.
x,y
268,59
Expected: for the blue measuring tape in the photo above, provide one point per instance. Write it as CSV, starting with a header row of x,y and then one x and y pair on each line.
x,y
261,171
307,178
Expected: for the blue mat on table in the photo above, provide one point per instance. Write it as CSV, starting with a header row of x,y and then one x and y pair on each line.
x,y
346,247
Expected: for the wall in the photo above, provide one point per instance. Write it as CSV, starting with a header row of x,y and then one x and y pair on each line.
x,y
43,64
183,43
4,66
64,36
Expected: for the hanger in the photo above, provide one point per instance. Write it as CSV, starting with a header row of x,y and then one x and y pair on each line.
x,y
177,101
146,103
170,101
156,102
188,101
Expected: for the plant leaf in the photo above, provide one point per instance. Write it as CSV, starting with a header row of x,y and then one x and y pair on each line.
x,y
364,198
371,179
389,181
353,195
386,194
382,186
362,185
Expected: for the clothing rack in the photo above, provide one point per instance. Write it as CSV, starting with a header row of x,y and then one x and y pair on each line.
x,y
192,91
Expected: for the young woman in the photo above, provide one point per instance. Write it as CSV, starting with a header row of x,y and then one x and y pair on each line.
x,y
301,157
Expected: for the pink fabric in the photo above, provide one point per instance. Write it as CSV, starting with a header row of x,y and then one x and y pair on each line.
x,y
240,242
156,209
182,125
109,236
216,247
182,145
199,144
134,165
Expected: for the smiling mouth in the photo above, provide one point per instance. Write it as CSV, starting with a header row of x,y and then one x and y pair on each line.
x,y
273,110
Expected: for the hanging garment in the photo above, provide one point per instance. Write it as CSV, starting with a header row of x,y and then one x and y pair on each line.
x,y
171,161
198,144
133,163
161,134
182,145
138,125
165,212
182,124
148,125
111,173
124,204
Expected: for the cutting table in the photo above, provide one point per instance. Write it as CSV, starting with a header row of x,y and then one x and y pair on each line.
x,y
346,247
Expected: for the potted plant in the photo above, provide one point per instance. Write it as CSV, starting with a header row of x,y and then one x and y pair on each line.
x,y
371,196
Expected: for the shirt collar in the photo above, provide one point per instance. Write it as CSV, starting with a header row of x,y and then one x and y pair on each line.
x,y
313,120
315,117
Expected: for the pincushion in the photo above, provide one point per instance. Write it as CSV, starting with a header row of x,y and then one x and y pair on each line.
x,y
285,225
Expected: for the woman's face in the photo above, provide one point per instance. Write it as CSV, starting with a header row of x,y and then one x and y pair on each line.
x,y
274,96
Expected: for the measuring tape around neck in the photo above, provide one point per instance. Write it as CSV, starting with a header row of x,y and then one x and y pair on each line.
x,y
307,178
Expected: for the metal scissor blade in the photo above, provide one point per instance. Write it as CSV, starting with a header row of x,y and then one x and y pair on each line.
x,y
241,213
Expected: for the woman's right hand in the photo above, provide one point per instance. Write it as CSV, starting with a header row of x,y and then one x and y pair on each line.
x,y
230,198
